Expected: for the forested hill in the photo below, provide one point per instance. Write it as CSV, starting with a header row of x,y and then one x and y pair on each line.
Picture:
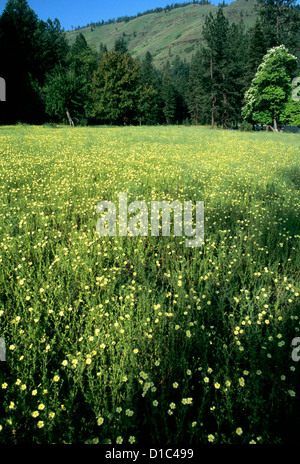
x,y
164,34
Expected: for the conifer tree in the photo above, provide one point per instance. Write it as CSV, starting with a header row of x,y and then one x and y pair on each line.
x,y
151,77
82,58
102,50
281,23
256,51
116,91
234,74
120,46
53,47
215,32
198,98
168,95
19,59
30,48
180,77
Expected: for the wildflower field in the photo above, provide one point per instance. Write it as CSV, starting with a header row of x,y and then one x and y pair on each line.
x,y
142,339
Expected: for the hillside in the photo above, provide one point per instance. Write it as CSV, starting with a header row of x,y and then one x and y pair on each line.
x,y
164,34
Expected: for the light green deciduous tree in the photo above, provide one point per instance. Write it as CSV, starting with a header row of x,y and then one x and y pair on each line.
x,y
270,90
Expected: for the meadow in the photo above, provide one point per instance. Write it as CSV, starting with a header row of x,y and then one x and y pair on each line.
x,y
141,339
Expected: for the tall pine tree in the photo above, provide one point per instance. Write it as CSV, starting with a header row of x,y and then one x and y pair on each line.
x,y
30,48
117,93
256,51
235,83
168,95
215,32
151,77
281,23
19,60
198,97
180,76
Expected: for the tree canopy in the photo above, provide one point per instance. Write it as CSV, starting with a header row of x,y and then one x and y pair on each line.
x,y
49,79
266,99
117,91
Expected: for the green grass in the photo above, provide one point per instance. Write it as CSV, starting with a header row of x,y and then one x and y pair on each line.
x,y
141,338
179,29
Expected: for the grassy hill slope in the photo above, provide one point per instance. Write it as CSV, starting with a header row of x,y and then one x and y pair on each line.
x,y
165,34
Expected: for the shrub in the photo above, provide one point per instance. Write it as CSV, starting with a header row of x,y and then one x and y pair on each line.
x,y
246,127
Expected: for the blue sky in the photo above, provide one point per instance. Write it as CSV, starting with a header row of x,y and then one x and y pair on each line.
x,y
81,12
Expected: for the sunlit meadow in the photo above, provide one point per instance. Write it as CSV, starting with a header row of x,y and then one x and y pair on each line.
x,y
141,339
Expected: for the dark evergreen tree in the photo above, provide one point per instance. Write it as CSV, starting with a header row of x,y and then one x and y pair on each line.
x,y
151,77
102,50
117,94
168,95
29,49
180,76
120,46
19,60
256,51
148,71
82,58
215,33
217,75
281,23
53,46
235,83
80,45
198,98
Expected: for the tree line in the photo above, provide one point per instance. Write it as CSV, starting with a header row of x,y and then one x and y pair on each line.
x,y
127,18
49,80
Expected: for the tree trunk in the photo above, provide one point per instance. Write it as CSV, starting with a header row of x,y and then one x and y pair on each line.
x,y
70,119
